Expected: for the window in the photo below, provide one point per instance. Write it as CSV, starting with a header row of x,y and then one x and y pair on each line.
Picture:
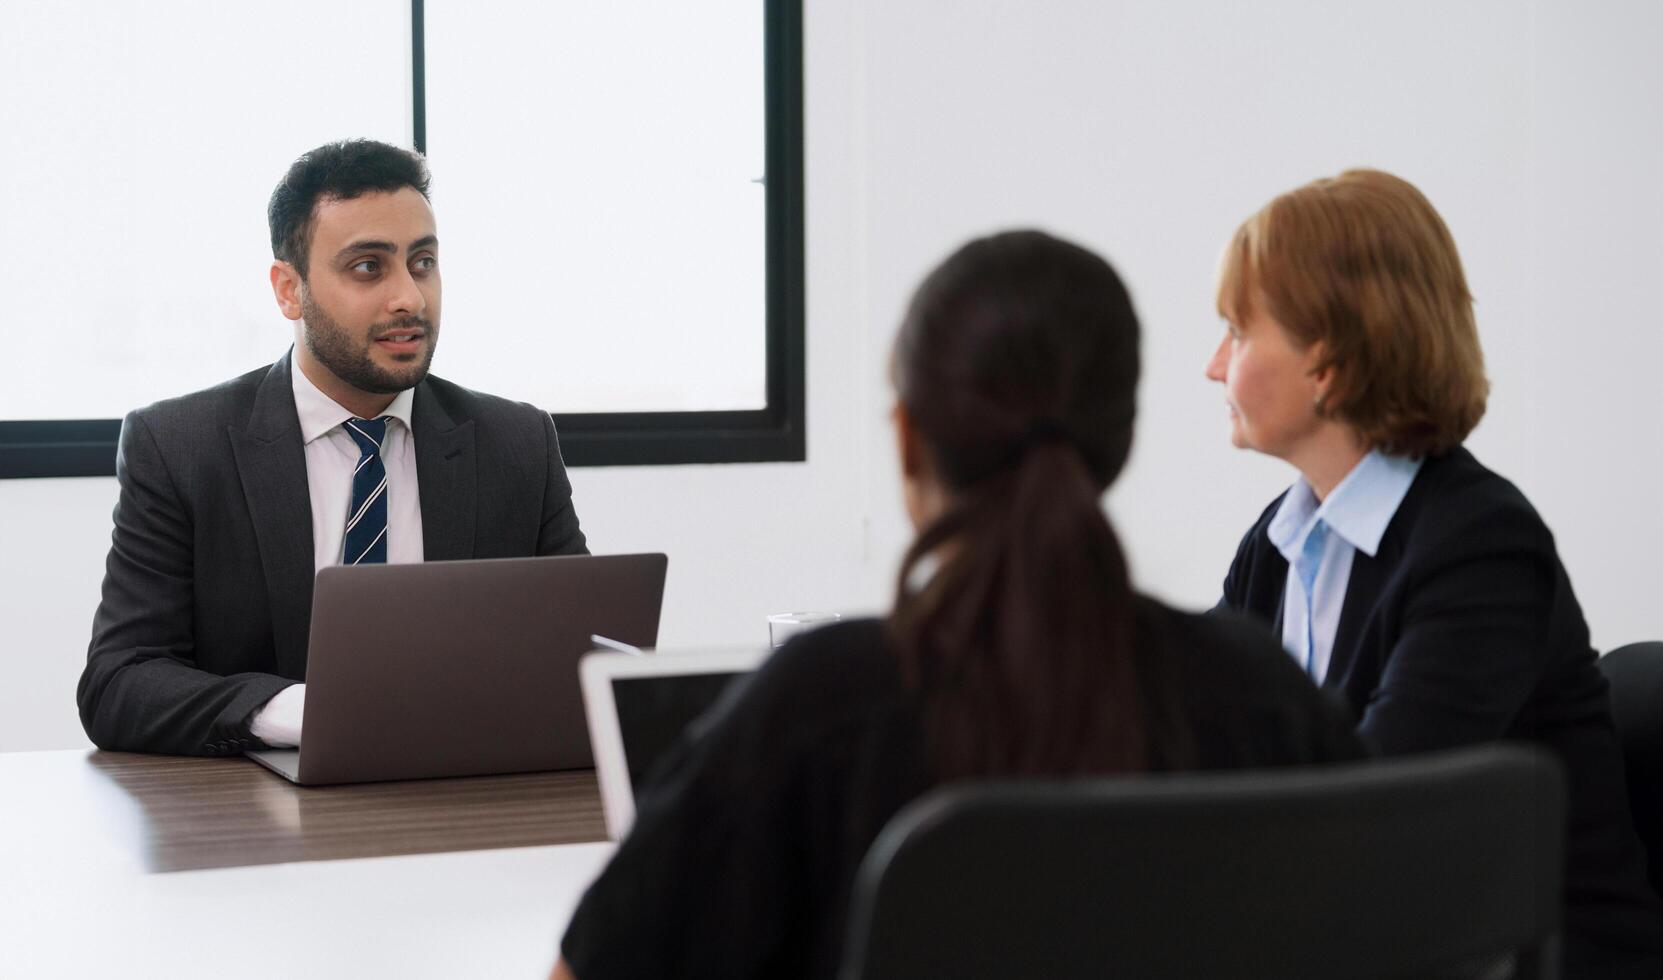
x,y
623,240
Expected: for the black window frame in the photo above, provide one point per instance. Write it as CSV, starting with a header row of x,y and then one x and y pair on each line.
x,y
774,433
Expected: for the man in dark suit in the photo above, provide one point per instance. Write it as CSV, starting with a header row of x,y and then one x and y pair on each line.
x,y
344,451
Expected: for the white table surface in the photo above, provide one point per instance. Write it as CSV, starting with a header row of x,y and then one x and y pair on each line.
x,y
75,900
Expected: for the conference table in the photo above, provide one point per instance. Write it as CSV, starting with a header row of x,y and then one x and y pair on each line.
x,y
115,864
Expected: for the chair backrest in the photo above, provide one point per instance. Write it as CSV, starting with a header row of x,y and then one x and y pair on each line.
x,y
1636,675
1443,865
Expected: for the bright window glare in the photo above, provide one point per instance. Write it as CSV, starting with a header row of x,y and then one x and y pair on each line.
x,y
142,141
595,183
595,171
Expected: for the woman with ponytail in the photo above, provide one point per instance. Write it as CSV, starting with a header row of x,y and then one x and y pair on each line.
x,y
1017,647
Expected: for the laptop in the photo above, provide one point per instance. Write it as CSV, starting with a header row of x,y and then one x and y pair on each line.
x,y
462,668
638,706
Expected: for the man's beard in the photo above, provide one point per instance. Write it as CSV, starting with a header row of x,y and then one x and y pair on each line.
x,y
348,358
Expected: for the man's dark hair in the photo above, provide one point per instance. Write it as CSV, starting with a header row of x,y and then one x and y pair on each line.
x,y
344,169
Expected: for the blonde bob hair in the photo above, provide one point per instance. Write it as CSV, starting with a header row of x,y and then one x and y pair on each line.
x,y
1362,265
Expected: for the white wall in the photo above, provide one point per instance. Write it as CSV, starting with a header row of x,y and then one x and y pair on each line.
x,y
1147,130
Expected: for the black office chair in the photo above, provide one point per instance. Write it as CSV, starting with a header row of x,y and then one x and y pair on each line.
x,y
1445,865
1636,676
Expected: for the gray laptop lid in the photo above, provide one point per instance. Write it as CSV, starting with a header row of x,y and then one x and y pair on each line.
x,y
466,667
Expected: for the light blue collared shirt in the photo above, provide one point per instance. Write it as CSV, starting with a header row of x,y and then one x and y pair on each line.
x,y
1319,542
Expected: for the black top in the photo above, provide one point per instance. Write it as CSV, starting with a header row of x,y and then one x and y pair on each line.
x,y
1461,629
747,840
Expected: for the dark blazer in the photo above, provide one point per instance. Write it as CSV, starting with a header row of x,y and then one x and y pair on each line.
x,y
207,599
1463,628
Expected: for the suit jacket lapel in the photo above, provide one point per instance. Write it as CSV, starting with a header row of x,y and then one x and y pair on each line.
x,y
271,460
1370,576
1268,586
448,477
1281,603
1362,593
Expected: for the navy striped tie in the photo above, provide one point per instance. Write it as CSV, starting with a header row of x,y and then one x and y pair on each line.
x,y
366,522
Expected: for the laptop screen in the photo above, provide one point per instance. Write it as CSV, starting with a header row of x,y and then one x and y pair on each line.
x,y
653,711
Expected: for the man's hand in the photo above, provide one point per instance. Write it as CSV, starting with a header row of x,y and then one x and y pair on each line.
x,y
278,723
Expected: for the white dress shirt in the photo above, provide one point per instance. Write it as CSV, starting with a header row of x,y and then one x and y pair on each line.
x,y
331,458
1320,540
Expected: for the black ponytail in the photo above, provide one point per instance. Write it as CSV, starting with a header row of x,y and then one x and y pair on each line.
x,y
1016,366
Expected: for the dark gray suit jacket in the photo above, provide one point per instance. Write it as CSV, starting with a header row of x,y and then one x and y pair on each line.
x,y
1463,628
207,600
